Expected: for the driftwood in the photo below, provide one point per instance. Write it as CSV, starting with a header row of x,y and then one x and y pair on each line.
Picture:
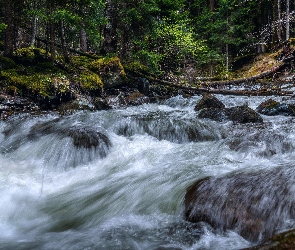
x,y
218,87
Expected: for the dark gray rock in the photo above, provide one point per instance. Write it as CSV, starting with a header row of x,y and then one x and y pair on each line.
x,y
256,205
209,101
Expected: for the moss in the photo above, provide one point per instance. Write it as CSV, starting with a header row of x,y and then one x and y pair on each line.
x,y
292,41
30,55
80,61
104,65
89,81
136,67
1,45
7,63
41,84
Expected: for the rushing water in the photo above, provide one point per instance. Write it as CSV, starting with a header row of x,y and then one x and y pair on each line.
x,y
127,194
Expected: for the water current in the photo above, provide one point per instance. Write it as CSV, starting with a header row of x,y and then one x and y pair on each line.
x,y
128,192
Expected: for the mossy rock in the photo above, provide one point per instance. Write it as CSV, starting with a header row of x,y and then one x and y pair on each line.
x,y
89,81
110,70
36,83
136,67
81,61
30,56
272,108
6,63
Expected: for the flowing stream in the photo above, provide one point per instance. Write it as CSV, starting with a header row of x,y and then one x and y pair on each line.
x,y
128,192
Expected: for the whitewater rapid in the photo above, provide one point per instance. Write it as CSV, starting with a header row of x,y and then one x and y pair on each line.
x,y
55,195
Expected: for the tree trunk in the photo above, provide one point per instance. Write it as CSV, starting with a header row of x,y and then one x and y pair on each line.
x,y
34,27
279,30
110,41
212,5
287,20
52,41
63,41
83,40
9,32
34,31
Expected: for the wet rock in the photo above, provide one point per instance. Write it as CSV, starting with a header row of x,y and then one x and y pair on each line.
x,y
144,86
215,114
243,114
136,98
209,101
256,205
10,105
239,114
101,104
272,108
282,241
86,137
83,136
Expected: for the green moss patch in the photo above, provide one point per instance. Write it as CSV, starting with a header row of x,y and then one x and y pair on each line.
x,y
41,84
30,56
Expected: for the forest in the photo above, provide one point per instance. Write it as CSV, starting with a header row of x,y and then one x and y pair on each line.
x,y
200,36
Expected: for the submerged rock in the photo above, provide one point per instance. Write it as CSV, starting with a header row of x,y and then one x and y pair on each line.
x,y
256,205
83,136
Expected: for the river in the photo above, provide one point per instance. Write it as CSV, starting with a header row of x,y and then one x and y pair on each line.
x,y
127,194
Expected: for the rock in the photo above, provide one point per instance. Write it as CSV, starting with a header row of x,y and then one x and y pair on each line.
x,y
240,114
271,108
144,86
243,114
86,137
256,205
136,98
282,241
215,114
83,136
209,101
101,104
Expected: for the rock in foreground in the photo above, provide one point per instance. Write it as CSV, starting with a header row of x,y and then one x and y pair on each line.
x,y
255,205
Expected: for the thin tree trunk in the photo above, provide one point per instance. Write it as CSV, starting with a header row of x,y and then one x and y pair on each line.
x,y
110,41
52,41
83,40
9,32
287,20
34,27
212,5
63,41
34,31
279,30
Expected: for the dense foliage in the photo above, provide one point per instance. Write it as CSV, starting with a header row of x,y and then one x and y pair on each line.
x,y
160,35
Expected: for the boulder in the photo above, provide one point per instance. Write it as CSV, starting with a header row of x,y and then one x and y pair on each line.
x,y
136,98
215,114
209,101
271,108
243,114
239,114
83,136
282,241
256,205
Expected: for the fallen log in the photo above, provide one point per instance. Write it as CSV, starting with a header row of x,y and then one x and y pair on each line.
x,y
217,87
